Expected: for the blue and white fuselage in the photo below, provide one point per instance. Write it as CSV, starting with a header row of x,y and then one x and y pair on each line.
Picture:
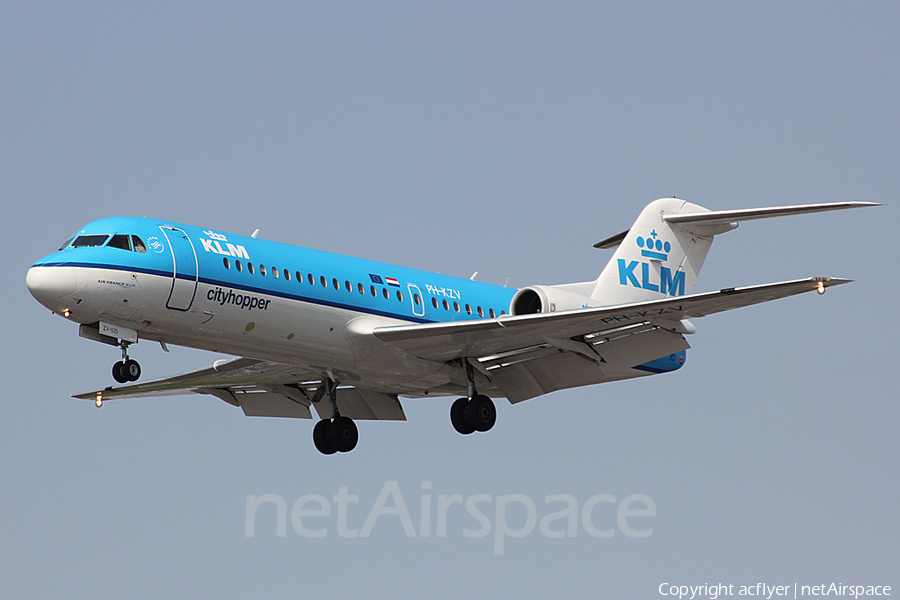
x,y
241,295
349,336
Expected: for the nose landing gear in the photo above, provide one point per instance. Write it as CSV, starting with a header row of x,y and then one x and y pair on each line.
x,y
126,369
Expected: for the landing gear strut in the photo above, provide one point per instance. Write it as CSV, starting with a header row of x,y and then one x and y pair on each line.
x,y
475,413
126,369
338,434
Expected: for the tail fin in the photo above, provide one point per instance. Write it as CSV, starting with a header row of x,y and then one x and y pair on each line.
x,y
654,259
661,255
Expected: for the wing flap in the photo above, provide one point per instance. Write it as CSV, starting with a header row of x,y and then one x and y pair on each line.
x,y
364,405
613,359
264,403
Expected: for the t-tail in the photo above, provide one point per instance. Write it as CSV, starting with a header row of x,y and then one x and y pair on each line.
x,y
662,253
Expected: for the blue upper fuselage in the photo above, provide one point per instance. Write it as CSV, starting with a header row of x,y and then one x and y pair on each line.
x,y
237,262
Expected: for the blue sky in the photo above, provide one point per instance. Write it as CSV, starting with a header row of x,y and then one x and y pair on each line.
x,y
503,138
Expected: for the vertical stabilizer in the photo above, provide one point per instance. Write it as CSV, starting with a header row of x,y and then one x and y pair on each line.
x,y
655,259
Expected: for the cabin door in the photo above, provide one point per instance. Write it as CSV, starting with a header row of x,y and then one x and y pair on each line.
x,y
184,269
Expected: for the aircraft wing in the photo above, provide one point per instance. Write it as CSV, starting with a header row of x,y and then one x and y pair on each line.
x,y
263,389
468,339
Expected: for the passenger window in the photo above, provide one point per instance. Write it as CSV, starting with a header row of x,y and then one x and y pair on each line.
x,y
287,274
456,306
335,283
399,295
493,314
416,300
468,309
386,293
309,278
238,266
83,241
347,286
121,241
250,267
446,305
372,289
362,289
299,277
138,244
226,262
434,301
275,272
262,270
323,281
480,312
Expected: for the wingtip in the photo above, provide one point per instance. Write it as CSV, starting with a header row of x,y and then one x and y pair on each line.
x,y
830,281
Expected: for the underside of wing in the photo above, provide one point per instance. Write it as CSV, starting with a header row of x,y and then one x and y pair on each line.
x,y
263,389
529,355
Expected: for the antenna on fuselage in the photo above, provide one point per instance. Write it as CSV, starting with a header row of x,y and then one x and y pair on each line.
x,y
474,275
255,233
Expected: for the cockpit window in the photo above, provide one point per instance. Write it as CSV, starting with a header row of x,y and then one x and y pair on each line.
x,y
120,241
89,240
66,244
138,244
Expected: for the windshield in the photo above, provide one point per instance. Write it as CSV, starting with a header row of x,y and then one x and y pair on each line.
x,y
89,240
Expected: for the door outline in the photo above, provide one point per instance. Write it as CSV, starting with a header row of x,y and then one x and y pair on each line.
x,y
418,311
184,289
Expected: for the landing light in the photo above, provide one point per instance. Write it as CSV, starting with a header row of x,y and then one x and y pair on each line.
x,y
820,287
66,313
99,401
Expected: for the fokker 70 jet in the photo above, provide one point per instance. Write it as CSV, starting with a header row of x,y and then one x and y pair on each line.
x,y
350,337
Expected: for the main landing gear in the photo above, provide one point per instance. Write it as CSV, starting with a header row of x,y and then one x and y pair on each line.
x,y
126,369
475,413
338,434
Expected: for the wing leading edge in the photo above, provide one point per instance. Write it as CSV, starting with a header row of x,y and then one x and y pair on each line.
x,y
460,339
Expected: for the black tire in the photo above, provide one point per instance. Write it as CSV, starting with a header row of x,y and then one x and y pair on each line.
x,y
481,413
343,434
131,370
119,373
458,416
320,437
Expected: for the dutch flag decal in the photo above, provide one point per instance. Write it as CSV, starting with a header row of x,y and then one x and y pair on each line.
x,y
392,281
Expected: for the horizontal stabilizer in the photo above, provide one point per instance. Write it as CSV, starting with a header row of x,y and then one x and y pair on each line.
x,y
721,217
612,241
719,221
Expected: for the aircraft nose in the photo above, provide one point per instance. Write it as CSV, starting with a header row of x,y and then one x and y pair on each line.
x,y
47,284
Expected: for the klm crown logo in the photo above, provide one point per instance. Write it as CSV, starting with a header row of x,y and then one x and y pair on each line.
x,y
655,249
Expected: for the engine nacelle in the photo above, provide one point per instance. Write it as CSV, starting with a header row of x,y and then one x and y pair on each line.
x,y
545,299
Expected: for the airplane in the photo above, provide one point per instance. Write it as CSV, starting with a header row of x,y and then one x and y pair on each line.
x,y
350,336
